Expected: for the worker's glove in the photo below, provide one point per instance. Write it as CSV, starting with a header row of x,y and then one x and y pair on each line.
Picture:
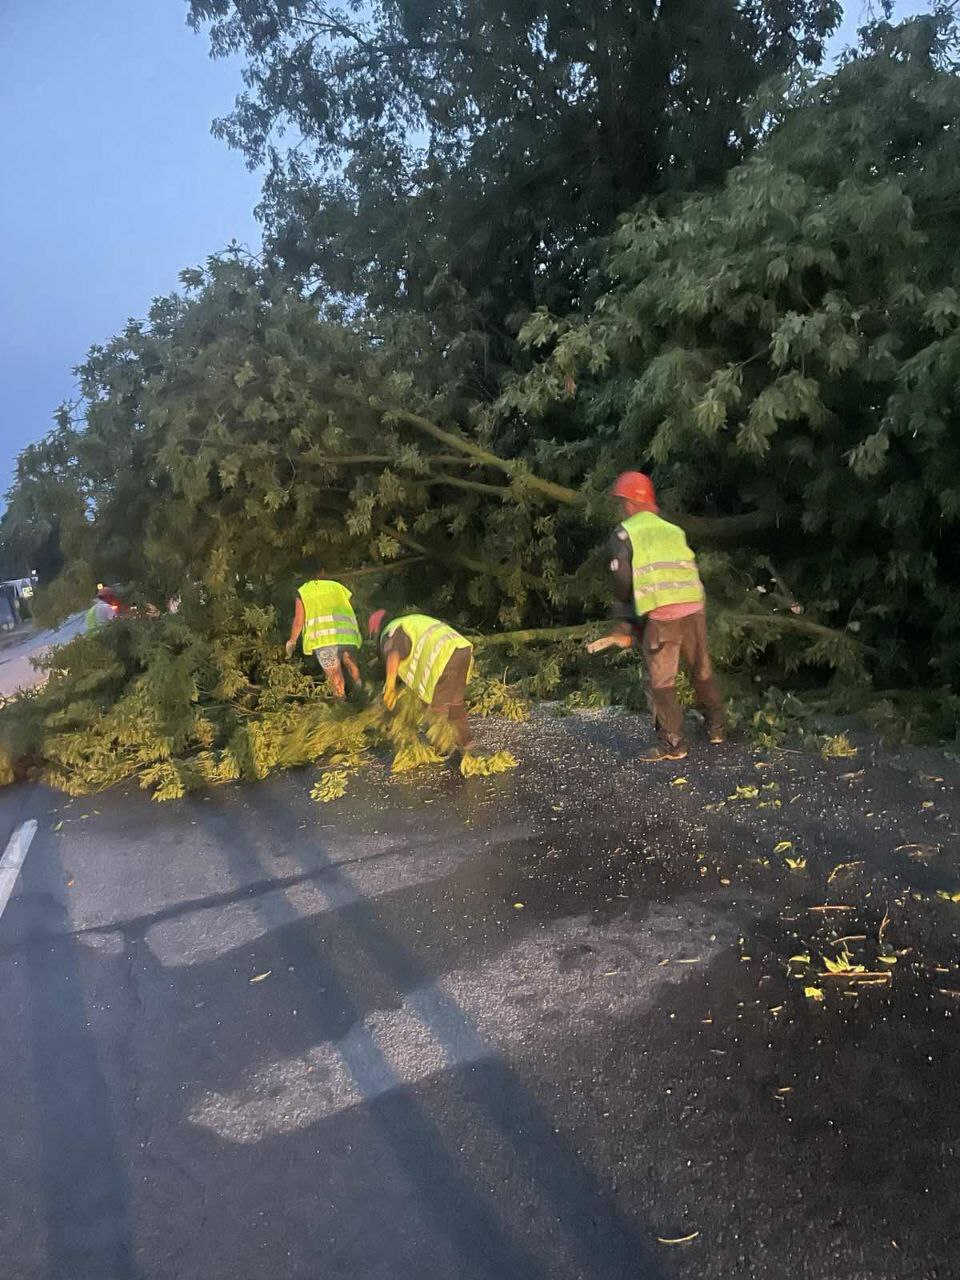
x,y
390,698
618,640
289,647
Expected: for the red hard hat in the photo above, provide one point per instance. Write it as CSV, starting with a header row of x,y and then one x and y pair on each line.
x,y
375,622
635,487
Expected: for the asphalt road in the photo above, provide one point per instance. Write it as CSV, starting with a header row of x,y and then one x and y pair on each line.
x,y
20,648
528,1028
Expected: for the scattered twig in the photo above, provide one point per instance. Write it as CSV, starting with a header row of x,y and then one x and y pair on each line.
x,y
883,925
868,975
841,867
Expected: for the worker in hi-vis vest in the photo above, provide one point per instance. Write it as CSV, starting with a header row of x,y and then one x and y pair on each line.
x,y
106,607
324,616
659,604
431,659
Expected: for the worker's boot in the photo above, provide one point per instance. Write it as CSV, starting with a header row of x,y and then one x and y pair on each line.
x,y
663,751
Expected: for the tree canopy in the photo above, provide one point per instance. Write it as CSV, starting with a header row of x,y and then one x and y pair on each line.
x,y
460,158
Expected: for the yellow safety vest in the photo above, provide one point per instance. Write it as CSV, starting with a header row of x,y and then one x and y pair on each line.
x,y
664,569
328,617
432,645
94,622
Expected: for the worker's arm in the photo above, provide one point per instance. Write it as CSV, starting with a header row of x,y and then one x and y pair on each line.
x,y
616,640
624,633
621,566
392,664
295,628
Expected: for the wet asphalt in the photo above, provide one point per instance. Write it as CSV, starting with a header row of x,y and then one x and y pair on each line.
x,y
532,1027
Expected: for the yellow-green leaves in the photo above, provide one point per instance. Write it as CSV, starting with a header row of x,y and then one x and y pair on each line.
x,y
477,766
746,791
331,786
842,963
838,747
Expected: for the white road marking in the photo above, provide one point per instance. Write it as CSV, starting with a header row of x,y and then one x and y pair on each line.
x,y
387,1049
13,857
570,978
206,933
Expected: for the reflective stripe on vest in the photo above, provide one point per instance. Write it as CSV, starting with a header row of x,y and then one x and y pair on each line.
x,y
664,568
432,645
328,617
98,615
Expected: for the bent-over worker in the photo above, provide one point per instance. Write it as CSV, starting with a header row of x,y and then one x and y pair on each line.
x,y
431,659
324,616
659,601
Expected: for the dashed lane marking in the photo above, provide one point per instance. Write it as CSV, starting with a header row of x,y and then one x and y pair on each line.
x,y
13,858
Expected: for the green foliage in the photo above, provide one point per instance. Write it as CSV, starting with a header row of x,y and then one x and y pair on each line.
x,y
331,786
455,161
917,716
777,719
788,348
67,593
493,697
239,438
837,746
414,756
196,700
474,766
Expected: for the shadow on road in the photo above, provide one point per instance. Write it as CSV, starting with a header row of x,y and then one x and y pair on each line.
x,y
436,1160
85,1185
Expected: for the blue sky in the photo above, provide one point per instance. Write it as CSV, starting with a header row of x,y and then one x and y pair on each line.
x,y
112,182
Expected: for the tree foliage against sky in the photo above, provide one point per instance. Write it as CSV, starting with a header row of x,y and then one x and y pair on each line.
x,y
238,436
460,158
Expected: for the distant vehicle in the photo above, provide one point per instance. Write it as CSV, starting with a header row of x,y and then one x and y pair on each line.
x,y
9,608
13,591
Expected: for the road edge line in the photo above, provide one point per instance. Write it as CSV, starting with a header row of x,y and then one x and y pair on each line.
x,y
13,859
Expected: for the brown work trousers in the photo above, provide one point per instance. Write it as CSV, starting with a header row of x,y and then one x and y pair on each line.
x,y
450,694
664,645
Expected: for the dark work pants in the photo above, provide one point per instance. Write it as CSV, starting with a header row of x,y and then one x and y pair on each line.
x,y
450,693
665,644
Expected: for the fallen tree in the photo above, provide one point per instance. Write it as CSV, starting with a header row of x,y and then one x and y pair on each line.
x,y
782,353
